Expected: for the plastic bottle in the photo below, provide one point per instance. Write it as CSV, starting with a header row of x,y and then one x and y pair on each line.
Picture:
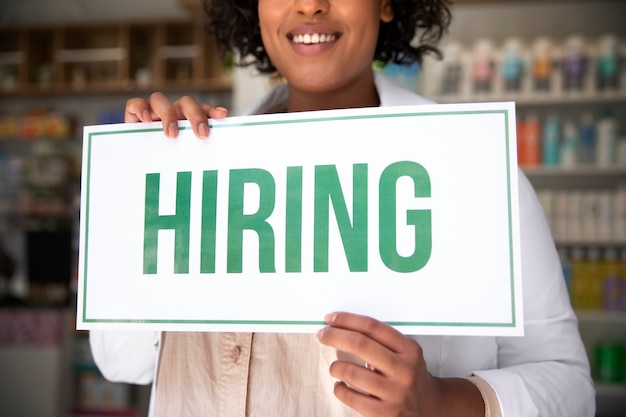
x,y
611,278
606,140
483,66
574,64
542,64
595,279
620,150
453,70
609,358
567,269
530,142
607,64
569,145
512,68
577,281
551,141
622,282
619,214
605,214
521,146
587,150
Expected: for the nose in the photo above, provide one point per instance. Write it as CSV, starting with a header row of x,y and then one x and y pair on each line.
x,y
312,7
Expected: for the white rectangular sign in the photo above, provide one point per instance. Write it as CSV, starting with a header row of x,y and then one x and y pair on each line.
x,y
407,214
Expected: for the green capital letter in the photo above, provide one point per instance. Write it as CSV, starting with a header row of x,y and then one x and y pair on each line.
x,y
420,219
179,222
353,236
238,221
293,221
209,222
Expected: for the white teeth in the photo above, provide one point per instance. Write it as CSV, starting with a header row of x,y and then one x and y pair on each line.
x,y
314,38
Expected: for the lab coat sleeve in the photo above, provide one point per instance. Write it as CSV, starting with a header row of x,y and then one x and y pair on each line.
x,y
125,356
546,372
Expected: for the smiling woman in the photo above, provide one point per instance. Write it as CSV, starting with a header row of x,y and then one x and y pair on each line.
x,y
426,21
350,35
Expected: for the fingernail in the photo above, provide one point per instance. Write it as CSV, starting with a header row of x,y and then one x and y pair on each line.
x,y
172,130
320,332
330,318
203,130
222,109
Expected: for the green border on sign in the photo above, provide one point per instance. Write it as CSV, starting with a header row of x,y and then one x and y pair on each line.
x,y
503,112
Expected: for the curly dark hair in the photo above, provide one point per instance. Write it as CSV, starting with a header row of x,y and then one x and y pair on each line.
x,y
235,26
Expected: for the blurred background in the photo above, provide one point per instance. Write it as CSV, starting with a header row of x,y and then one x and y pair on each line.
x,y
70,63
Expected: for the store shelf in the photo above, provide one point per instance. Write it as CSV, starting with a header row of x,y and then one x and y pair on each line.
x,y
91,55
578,177
611,390
604,317
529,99
217,84
109,59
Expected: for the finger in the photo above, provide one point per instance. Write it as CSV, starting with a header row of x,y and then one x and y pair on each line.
x,y
374,342
361,346
215,112
377,330
137,110
363,404
360,378
166,112
188,108
198,114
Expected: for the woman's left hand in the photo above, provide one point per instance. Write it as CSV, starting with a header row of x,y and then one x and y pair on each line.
x,y
396,381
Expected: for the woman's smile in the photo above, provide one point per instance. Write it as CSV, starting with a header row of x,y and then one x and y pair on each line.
x,y
312,39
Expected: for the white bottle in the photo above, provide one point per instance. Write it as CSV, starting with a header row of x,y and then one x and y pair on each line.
x,y
620,150
619,214
569,145
606,141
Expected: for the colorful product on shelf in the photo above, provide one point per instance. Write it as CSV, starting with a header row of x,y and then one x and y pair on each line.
x,y
483,66
540,67
542,64
36,125
596,278
608,65
513,65
591,142
574,64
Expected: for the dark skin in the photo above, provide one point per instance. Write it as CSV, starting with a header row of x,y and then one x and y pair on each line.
x,y
331,75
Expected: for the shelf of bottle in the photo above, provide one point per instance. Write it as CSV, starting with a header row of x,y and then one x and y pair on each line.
x,y
538,99
29,146
576,171
601,316
593,243
578,177
91,55
27,141
128,88
604,389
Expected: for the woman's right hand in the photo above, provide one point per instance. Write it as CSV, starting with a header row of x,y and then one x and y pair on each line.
x,y
158,107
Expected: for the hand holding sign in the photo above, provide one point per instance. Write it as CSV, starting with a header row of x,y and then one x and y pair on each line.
x,y
396,380
158,107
